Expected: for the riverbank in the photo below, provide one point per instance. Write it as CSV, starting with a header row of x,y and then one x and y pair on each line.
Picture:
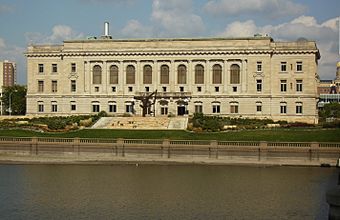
x,y
138,161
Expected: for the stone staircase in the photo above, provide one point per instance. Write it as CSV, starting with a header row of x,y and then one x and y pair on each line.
x,y
144,123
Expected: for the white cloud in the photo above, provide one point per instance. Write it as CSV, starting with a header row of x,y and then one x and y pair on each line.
x,y
176,18
5,9
271,8
135,29
59,34
325,35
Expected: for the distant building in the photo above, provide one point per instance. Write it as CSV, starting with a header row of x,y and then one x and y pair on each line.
x,y
7,77
238,77
329,90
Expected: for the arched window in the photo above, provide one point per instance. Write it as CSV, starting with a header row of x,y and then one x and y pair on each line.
x,y
199,74
235,74
113,74
217,74
130,74
164,74
147,74
182,74
233,107
97,74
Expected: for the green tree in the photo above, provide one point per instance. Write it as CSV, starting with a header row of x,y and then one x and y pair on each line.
x,y
331,110
14,99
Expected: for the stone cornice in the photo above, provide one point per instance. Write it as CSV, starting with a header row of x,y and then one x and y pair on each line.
x,y
166,53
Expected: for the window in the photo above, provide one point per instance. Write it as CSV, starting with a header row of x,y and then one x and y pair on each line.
x,y
164,89
129,107
40,86
54,107
283,85
199,89
41,68
130,74
298,108
40,107
299,85
199,107
216,108
147,74
199,74
54,86
130,89
234,89
259,85
164,110
112,107
95,107
234,74
233,107
147,89
73,86
217,74
258,107
73,67
299,66
283,66
181,89
54,68
113,74
113,89
96,89
283,107
73,106
182,74
97,74
259,66
164,74
217,89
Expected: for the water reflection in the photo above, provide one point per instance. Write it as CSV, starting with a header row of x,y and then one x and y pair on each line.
x,y
163,192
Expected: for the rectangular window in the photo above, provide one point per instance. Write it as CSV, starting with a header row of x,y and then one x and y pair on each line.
x,y
234,89
95,108
130,89
41,68
216,108
217,89
283,66
259,66
129,108
181,89
164,110
147,89
73,86
283,85
199,89
258,108
164,89
299,66
299,85
54,68
96,89
198,108
73,67
259,85
40,86
54,86
233,109
73,106
54,107
113,89
40,107
112,108
298,108
283,108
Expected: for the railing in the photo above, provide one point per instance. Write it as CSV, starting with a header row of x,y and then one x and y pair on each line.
x,y
168,148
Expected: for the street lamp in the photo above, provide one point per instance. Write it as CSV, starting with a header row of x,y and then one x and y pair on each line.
x,y
10,101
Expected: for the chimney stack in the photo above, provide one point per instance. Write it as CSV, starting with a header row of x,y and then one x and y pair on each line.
x,y
106,31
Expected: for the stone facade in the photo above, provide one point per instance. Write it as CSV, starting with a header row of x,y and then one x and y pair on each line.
x,y
243,77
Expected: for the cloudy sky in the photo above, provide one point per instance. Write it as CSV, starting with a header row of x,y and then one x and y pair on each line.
x,y
25,22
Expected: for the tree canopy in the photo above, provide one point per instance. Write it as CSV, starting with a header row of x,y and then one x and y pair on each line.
x,y
17,95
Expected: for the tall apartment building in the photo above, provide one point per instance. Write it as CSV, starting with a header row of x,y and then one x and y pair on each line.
x,y
7,77
237,77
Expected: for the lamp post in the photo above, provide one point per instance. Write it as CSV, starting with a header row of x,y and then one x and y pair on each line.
x,y
10,102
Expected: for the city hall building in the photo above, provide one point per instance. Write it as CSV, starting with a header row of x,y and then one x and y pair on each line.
x,y
237,77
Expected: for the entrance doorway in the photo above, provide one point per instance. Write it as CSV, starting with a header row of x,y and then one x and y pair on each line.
x,y
181,110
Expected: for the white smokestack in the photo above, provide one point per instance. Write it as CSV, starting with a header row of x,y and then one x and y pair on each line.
x,y
106,29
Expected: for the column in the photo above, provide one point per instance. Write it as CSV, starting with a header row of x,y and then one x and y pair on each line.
x,y
244,76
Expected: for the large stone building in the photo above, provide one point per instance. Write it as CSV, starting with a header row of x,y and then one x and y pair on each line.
x,y
329,90
7,77
237,77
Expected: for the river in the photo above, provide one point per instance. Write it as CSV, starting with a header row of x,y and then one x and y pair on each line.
x,y
163,192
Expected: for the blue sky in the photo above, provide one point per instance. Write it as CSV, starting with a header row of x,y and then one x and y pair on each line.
x,y
24,22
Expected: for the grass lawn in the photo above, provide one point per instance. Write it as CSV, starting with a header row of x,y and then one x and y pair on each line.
x,y
289,135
